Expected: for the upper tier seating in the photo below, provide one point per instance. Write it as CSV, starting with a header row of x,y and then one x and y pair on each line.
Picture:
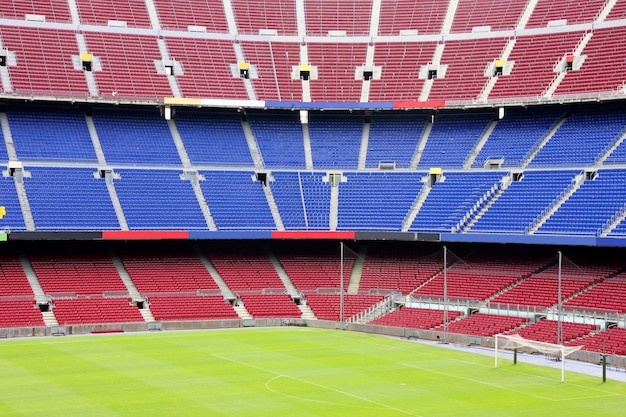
x,y
377,201
129,66
415,318
351,16
425,17
133,12
53,10
497,14
303,199
208,66
534,61
599,55
571,10
400,64
336,65
253,16
466,60
179,15
69,199
54,48
274,62
40,133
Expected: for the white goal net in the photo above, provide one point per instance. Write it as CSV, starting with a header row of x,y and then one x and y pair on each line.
x,y
516,342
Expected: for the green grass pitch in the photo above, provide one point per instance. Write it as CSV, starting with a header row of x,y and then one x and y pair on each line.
x,y
285,371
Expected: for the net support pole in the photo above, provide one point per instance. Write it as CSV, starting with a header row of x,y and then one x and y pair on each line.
x,y
341,285
496,352
562,366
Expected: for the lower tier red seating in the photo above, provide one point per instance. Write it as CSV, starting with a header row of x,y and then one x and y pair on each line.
x,y
415,318
95,311
181,307
327,306
20,313
271,306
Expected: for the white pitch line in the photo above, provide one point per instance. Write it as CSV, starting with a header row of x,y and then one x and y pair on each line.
x,y
279,374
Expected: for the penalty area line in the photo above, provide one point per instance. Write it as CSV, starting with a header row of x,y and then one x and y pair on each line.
x,y
279,374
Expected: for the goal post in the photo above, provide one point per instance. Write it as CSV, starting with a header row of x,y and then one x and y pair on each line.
x,y
515,341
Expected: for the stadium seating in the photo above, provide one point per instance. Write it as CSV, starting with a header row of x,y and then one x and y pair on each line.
x,y
394,139
466,60
351,16
224,192
451,140
415,318
253,16
158,200
521,203
466,188
69,199
480,324
496,14
611,341
54,11
279,138
247,270
140,137
214,138
274,62
191,307
40,133
13,219
546,331
176,15
303,199
399,15
328,306
95,311
133,12
377,201
271,306
394,267
335,139
54,48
